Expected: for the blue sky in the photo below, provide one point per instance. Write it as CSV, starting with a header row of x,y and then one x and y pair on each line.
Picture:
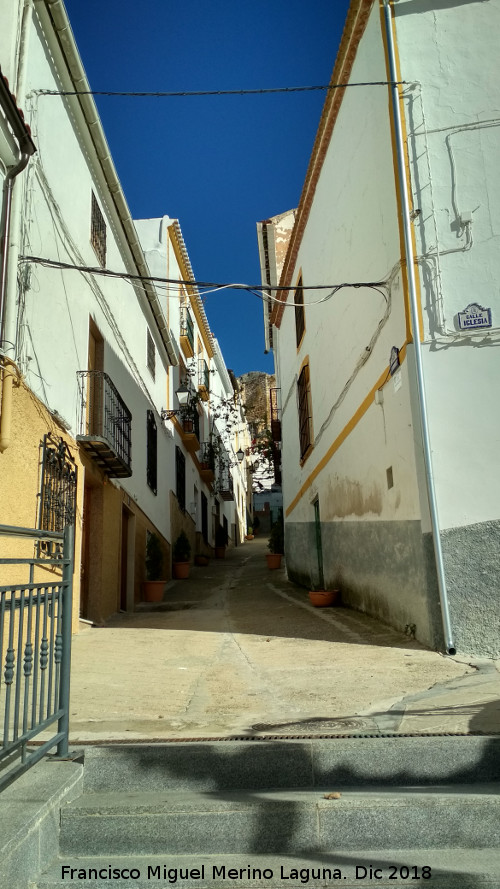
x,y
218,164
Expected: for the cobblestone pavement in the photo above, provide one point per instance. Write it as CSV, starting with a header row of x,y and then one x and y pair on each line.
x,y
237,650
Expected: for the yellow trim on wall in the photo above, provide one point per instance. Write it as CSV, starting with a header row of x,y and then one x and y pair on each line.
x,y
409,333
346,431
193,299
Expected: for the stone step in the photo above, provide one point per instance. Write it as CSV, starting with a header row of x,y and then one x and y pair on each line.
x,y
449,869
315,762
281,821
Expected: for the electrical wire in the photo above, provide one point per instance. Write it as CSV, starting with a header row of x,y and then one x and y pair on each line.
x,y
259,290
241,92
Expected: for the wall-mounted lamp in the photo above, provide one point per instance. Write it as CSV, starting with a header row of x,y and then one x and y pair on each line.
x,y
240,454
183,395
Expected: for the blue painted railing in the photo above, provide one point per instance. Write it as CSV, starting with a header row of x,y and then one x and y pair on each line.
x,y
35,651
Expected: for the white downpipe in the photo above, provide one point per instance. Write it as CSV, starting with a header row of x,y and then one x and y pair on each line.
x,y
410,267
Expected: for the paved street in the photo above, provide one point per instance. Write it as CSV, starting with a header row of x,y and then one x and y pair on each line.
x,y
238,650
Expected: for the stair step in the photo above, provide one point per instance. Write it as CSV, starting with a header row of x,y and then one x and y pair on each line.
x,y
450,869
278,821
227,765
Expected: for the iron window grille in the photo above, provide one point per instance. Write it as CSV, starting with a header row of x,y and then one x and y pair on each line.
x,y
300,321
203,374
151,355
305,412
98,232
58,487
180,478
152,453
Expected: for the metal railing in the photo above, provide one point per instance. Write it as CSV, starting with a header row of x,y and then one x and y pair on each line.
x,y
187,326
105,418
203,375
35,653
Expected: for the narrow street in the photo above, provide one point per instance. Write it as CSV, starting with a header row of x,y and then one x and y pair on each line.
x,y
237,650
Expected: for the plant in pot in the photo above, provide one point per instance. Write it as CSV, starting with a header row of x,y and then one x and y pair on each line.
x,y
249,534
154,585
220,542
276,545
256,525
181,555
321,598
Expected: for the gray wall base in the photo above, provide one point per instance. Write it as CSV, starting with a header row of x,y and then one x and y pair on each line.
x,y
29,820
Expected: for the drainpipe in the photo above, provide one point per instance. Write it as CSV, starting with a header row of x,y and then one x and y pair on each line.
x,y
410,267
26,149
9,366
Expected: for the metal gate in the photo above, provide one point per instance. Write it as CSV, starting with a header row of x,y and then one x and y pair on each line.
x,y
35,650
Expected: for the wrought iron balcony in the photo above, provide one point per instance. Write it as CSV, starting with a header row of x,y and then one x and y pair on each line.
x,y
207,462
189,419
203,379
187,332
275,415
105,424
225,482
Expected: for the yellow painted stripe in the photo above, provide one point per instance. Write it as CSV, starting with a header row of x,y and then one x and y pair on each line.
x,y
346,431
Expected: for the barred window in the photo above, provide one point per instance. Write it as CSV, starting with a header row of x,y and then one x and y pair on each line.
x,y
152,453
305,412
98,232
180,478
151,354
300,321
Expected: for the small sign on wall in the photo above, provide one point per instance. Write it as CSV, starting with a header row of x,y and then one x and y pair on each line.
x,y
394,360
474,317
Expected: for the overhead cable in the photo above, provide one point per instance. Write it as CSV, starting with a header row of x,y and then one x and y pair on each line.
x,y
242,92
262,291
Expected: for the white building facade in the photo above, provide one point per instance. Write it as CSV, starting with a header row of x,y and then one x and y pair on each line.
x,y
391,475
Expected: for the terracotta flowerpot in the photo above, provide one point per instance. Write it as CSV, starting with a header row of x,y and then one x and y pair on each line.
x,y
248,536
180,570
202,561
273,560
220,552
153,590
321,598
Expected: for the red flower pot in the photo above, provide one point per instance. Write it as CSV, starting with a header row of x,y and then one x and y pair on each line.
x,y
320,598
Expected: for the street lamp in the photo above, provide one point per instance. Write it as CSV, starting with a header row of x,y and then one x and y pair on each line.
x,y
240,454
183,396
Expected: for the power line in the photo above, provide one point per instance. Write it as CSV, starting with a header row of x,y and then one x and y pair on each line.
x,y
241,92
257,289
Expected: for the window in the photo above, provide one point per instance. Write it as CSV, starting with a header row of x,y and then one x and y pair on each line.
x,y
151,354
305,412
98,232
152,453
300,321
180,478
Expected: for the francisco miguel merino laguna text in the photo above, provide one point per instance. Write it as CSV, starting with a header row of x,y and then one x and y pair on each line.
x,y
221,872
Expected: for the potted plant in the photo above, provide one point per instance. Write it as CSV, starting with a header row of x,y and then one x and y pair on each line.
x,y
220,542
276,545
181,555
201,560
249,534
154,585
320,598
256,525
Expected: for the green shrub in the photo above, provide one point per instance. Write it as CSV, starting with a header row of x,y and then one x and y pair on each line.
x,y
182,548
277,539
154,557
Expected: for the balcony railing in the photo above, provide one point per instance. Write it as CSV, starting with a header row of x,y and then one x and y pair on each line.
x,y
225,482
187,332
203,379
207,462
105,424
189,420
275,415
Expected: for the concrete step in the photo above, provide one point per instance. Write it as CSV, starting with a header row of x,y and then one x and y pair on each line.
x,y
316,762
449,869
281,821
